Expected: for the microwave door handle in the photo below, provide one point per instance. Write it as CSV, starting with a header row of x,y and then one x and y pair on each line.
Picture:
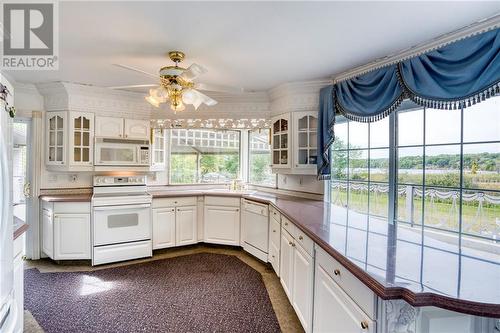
x,y
121,207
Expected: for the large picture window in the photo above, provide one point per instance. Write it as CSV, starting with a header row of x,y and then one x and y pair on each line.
x,y
446,183
259,159
204,156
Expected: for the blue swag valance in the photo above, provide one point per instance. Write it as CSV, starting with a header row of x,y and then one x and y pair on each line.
x,y
452,77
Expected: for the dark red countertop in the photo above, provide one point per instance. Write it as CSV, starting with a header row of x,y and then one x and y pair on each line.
x,y
395,261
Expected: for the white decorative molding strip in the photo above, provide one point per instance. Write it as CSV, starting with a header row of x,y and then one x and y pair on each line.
x,y
212,123
484,25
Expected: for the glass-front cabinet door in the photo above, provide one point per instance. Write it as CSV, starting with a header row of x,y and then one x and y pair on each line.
x,y
81,134
158,138
56,138
280,141
305,137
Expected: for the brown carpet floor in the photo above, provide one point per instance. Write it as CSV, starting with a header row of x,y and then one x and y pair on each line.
x,y
202,292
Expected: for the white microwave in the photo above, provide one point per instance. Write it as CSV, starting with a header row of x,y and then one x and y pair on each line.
x,y
121,152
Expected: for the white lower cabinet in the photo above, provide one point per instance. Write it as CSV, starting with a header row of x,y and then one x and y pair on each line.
x,y
186,225
19,281
274,241
163,228
286,263
334,310
296,276
71,236
222,225
66,230
174,226
302,290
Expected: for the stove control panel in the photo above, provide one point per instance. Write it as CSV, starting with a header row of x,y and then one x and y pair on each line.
x,y
119,180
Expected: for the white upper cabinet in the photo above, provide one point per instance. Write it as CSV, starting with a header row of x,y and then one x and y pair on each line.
x,y
56,127
69,141
81,151
112,127
305,138
294,143
158,145
280,141
109,127
137,129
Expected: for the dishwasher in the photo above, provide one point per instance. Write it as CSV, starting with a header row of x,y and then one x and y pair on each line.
x,y
255,229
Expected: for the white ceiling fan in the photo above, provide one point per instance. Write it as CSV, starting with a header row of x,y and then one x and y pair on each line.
x,y
177,85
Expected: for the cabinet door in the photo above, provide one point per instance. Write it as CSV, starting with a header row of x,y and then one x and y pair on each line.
x,y
305,140
71,236
280,141
137,129
163,228
109,127
222,225
186,225
47,233
274,258
19,290
81,129
56,128
302,290
286,263
334,311
158,145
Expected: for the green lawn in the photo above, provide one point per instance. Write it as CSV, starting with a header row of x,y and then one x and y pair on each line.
x,y
439,213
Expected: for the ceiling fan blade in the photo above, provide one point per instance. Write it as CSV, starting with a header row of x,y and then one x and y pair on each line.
x,y
193,71
204,98
130,68
218,88
134,86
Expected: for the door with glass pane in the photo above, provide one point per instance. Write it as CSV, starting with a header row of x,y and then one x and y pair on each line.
x,y
280,141
305,139
56,140
158,148
81,134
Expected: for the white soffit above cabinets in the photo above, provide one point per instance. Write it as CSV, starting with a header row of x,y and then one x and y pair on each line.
x,y
254,45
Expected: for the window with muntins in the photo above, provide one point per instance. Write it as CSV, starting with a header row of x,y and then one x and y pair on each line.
x,y
259,158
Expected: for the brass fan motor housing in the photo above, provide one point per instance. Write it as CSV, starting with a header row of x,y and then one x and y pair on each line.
x,y
176,56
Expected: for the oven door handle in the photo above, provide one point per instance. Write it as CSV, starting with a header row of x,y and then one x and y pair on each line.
x,y
122,207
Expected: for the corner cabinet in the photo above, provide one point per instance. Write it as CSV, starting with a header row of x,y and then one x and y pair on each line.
x,y
294,143
69,141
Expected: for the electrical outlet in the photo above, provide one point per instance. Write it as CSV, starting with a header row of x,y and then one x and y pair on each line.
x,y
73,178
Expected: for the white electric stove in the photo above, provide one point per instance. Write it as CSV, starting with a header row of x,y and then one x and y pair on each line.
x,y
121,221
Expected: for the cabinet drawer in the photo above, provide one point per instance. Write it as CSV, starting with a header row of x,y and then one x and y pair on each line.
x,y
274,232
72,208
304,241
288,226
170,202
363,296
222,201
275,214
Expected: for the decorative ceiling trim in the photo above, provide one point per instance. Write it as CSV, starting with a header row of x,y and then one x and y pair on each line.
x,y
484,25
212,123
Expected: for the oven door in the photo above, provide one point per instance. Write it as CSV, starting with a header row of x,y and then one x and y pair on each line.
x,y
119,224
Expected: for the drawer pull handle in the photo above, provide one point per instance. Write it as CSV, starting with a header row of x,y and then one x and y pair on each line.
x,y
301,238
336,272
364,325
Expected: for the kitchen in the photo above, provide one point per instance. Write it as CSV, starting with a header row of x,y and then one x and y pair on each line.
x,y
158,190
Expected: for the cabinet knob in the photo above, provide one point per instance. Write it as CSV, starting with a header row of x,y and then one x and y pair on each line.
x,y
237,209
290,243
293,244
286,223
364,325
274,230
336,271
273,255
301,238
173,210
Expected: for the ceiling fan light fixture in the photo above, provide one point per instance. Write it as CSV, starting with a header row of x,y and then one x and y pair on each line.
x,y
188,96
153,101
